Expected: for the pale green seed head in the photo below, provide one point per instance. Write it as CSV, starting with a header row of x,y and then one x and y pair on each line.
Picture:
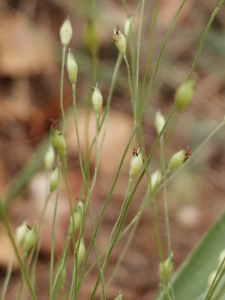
x,y
177,160
135,163
159,121
184,95
120,41
30,239
71,66
97,100
66,32
58,142
80,251
54,180
49,158
21,232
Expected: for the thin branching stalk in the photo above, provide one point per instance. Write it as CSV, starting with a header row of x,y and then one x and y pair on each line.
x,y
131,197
106,204
152,33
159,60
204,36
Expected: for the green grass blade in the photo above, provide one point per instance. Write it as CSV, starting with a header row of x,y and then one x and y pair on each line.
x,y
190,281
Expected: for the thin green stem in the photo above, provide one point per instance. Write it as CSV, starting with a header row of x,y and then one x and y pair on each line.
x,y
121,211
131,197
204,36
138,58
159,59
61,267
130,87
53,229
122,254
7,277
157,234
152,33
106,204
77,133
61,89
165,197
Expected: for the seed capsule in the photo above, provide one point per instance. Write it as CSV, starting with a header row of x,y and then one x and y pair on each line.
x,y
184,95
21,232
119,40
135,163
71,66
165,268
159,121
30,239
76,219
66,32
97,100
177,160
80,251
49,158
58,142
54,180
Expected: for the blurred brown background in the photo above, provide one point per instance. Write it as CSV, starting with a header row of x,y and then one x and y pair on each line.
x,y
30,62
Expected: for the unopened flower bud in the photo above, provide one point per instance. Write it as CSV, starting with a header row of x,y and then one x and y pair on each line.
x,y
135,163
155,179
184,95
49,158
66,32
159,121
58,142
97,100
54,180
119,296
177,160
128,25
90,38
165,269
80,251
21,232
120,40
71,67
30,239
76,219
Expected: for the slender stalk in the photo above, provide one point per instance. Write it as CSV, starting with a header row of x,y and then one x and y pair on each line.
x,y
159,60
106,204
53,229
7,277
157,234
152,33
131,197
130,87
165,197
204,36
61,89
77,133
